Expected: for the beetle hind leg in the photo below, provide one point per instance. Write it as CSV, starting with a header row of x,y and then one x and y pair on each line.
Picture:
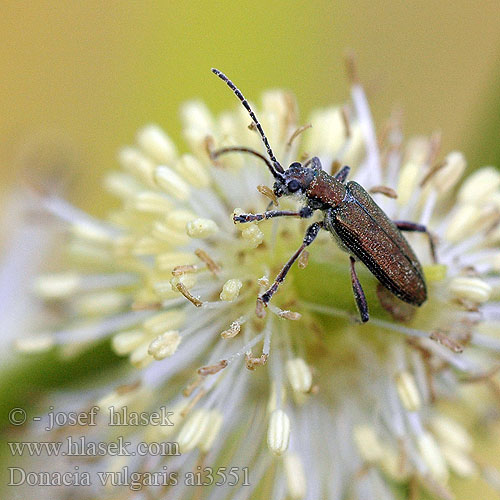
x,y
418,228
359,294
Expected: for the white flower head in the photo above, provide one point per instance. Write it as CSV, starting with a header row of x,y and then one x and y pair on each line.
x,y
174,281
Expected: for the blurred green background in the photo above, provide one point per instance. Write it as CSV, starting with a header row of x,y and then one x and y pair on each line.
x,y
79,78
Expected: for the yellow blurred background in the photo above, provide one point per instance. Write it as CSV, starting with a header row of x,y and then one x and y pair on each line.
x,y
78,78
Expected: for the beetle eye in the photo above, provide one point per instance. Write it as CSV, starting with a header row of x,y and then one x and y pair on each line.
x,y
293,186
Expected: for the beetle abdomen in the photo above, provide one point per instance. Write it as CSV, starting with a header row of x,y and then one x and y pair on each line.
x,y
374,239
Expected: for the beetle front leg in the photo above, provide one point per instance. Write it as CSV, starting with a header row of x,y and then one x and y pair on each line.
x,y
359,294
311,233
303,213
418,228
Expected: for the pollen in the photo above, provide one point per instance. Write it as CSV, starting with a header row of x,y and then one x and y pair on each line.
x,y
252,235
231,290
164,345
201,228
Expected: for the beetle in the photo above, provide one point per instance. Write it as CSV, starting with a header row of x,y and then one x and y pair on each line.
x,y
351,215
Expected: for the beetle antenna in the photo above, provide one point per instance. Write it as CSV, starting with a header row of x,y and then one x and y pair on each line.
x,y
276,169
240,149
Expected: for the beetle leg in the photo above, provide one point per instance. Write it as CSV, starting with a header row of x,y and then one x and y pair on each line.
x,y
303,213
311,233
342,174
315,163
419,228
359,294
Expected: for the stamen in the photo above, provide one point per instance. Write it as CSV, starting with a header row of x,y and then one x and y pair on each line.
x,y
234,329
295,476
247,347
212,369
193,402
193,430
252,362
433,457
124,343
156,143
473,289
285,314
36,343
171,183
368,443
451,432
479,185
57,286
444,339
215,420
211,264
193,171
201,228
345,120
297,132
230,290
194,300
408,391
180,270
299,375
137,164
385,190
192,386
164,345
459,462
167,320
278,433
252,234
268,192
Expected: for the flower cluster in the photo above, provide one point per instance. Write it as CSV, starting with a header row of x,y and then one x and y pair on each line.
x,y
314,403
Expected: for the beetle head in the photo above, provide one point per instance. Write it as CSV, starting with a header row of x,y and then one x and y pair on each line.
x,y
295,180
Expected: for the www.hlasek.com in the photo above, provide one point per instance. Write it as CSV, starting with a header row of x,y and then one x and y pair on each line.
x,y
82,447
135,481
